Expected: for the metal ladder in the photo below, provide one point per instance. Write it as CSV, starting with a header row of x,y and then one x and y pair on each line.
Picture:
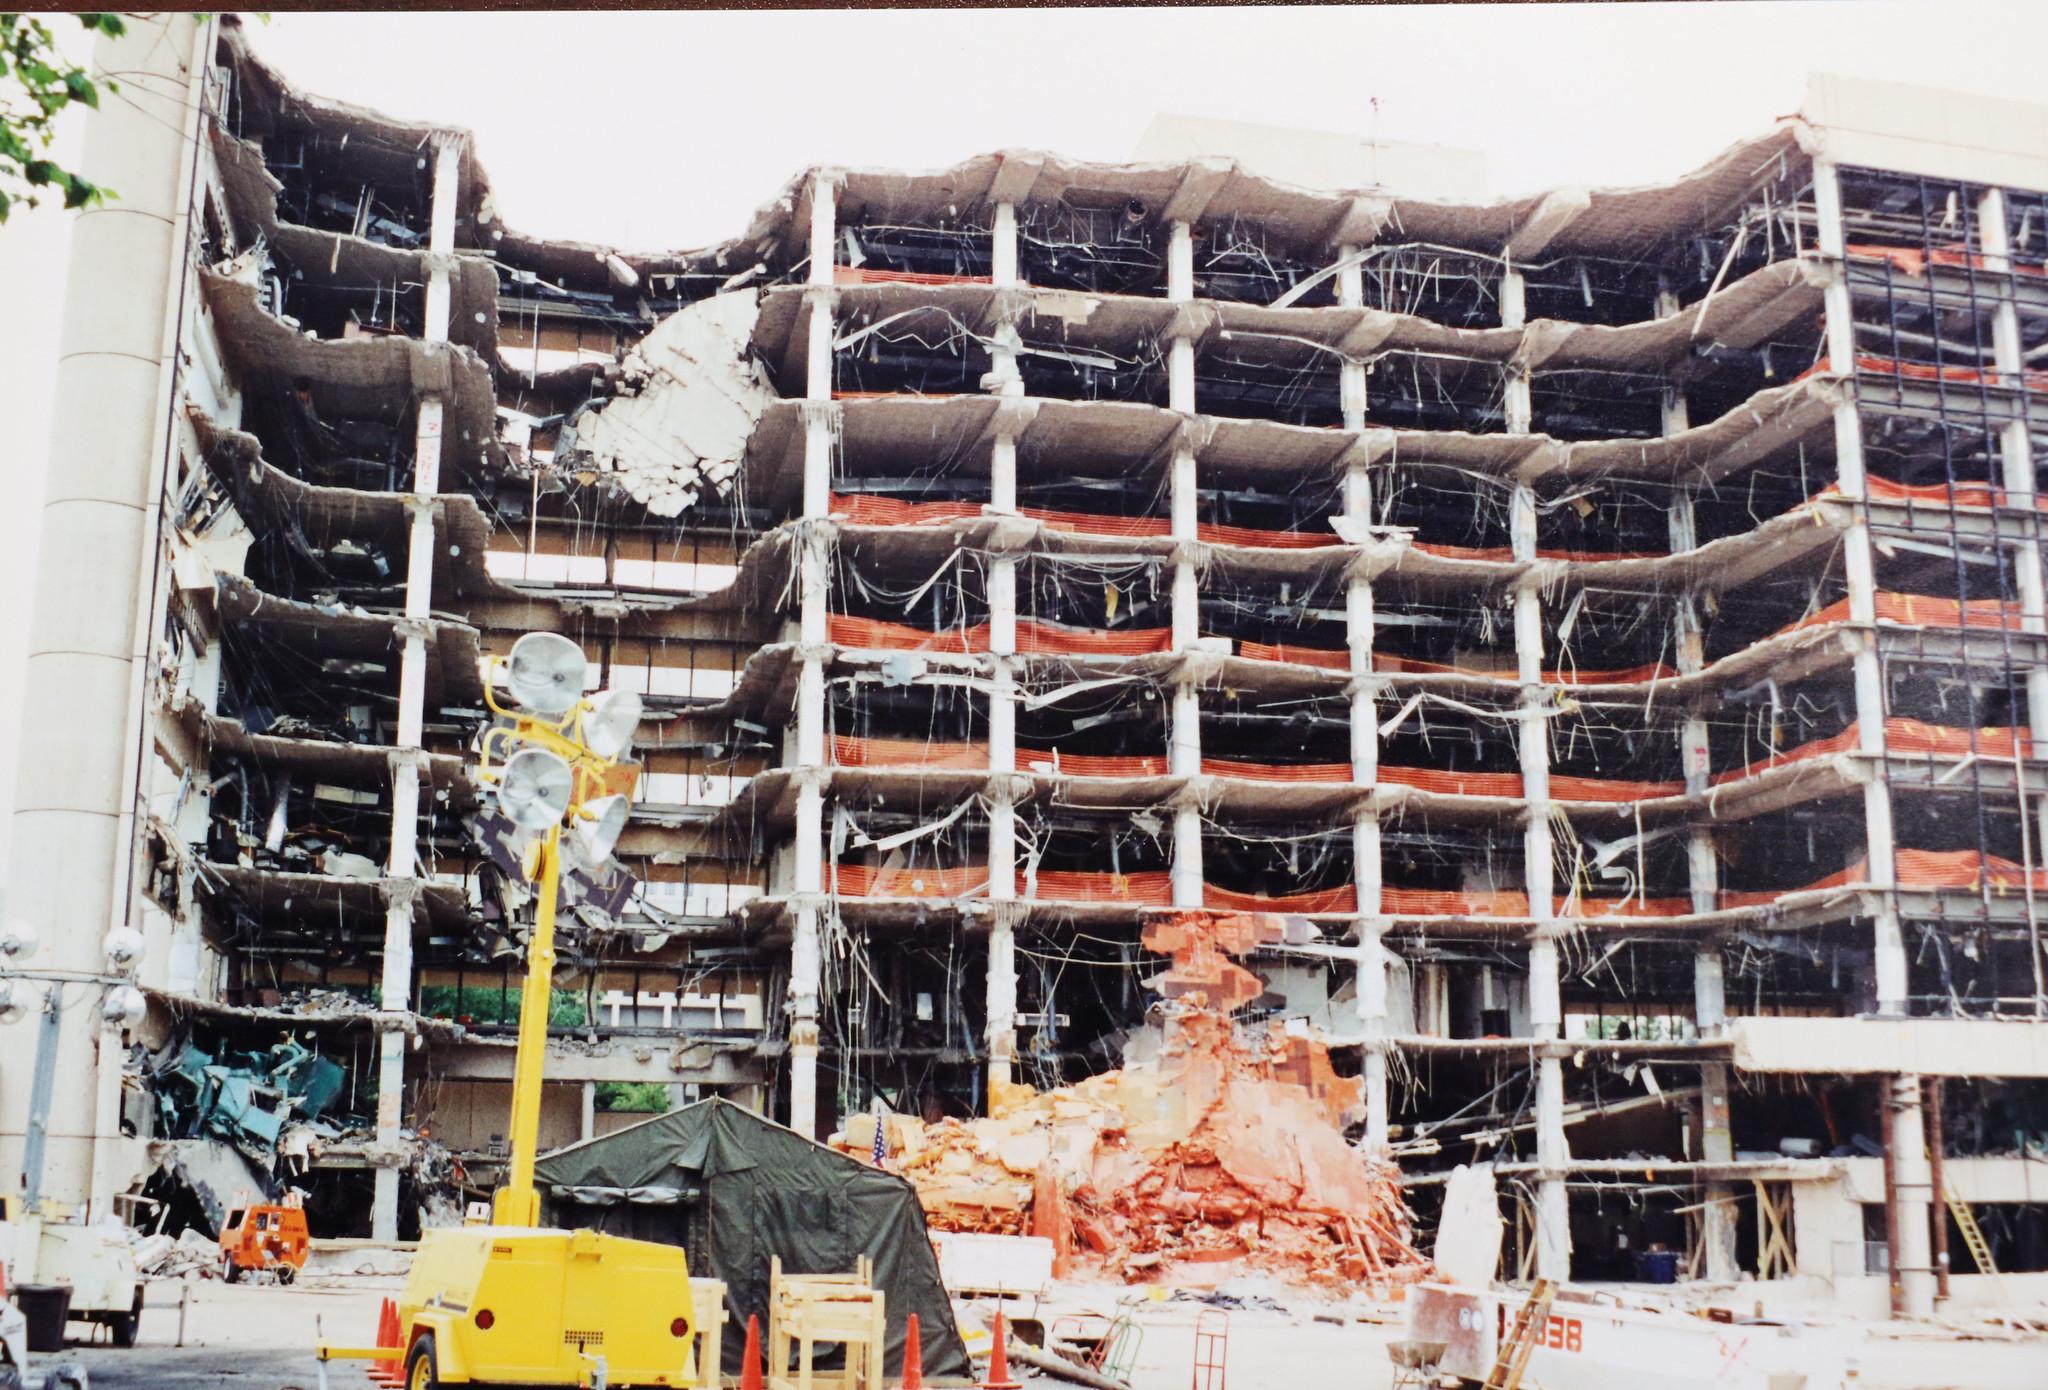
x,y
1523,1335
1973,1238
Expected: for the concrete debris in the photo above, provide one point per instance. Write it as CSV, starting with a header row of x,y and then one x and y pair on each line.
x,y
1223,1155
1468,1235
191,1254
689,397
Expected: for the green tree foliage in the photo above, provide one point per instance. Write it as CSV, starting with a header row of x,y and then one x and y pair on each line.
x,y
638,1097
36,83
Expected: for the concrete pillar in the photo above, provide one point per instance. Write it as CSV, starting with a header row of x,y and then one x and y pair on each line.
x,y
1001,984
1001,994
2016,460
1370,978
92,625
1907,1137
1546,1013
1859,569
1003,247
586,1127
1351,375
820,433
1718,1216
402,867
1184,732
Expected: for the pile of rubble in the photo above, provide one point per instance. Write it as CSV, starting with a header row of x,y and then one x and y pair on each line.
x,y
1222,1155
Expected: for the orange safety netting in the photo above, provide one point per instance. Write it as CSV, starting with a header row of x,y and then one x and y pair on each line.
x,y
863,509
1914,260
1299,656
1057,764
1564,788
1929,371
1033,636
875,275
1505,553
907,752
1922,610
1900,736
1343,898
1277,772
1915,868
868,881
1933,494
1341,661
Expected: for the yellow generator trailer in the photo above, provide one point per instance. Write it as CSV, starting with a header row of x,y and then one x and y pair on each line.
x,y
513,1305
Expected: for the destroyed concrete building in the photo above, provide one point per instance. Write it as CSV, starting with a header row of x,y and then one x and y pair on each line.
x,y
1606,626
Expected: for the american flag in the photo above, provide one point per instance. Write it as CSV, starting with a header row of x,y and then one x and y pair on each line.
x,y
881,1135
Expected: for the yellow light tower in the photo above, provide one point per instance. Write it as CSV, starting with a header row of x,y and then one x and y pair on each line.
x,y
555,765
512,1302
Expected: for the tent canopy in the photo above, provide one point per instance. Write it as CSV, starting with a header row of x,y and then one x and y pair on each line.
x,y
734,1189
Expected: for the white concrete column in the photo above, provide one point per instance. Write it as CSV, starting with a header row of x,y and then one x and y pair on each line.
x,y
402,867
1514,313
1719,1215
1002,719
91,630
1908,1139
1370,979
1001,983
586,1127
1003,248
804,980
1184,752
1546,1014
824,224
1859,570
1351,375
2016,462
1002,472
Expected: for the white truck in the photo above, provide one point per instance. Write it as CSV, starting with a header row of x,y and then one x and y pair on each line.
x,y
96,1261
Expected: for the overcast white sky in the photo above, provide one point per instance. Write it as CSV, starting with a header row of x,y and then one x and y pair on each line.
x,y
666,130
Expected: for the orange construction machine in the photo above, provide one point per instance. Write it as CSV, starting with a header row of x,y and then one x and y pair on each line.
x,y
255,1238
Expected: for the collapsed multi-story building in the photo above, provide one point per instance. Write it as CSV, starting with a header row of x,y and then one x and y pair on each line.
x,y
1608,626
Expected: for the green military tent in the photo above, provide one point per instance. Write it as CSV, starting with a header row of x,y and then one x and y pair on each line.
x,y
733,1190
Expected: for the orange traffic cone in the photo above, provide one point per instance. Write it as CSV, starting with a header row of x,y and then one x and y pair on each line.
x,y
999,1360
750,1361
386,1371
913,1357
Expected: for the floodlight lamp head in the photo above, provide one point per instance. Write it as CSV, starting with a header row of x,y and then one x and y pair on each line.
x,y
15,998
123,947
535,788
610,722
597,833
545,673
122,1007
18,938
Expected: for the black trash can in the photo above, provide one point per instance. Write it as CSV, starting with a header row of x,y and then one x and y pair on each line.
x,y
46,1307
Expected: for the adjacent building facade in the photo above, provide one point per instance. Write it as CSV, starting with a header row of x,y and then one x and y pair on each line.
x,y
1608,626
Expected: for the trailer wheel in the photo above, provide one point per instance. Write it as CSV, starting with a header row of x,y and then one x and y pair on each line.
x,y
422,1367
228,1272
124,1325
286,1273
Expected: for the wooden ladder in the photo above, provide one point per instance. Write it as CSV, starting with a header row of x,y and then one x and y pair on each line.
x,y
1523,1335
